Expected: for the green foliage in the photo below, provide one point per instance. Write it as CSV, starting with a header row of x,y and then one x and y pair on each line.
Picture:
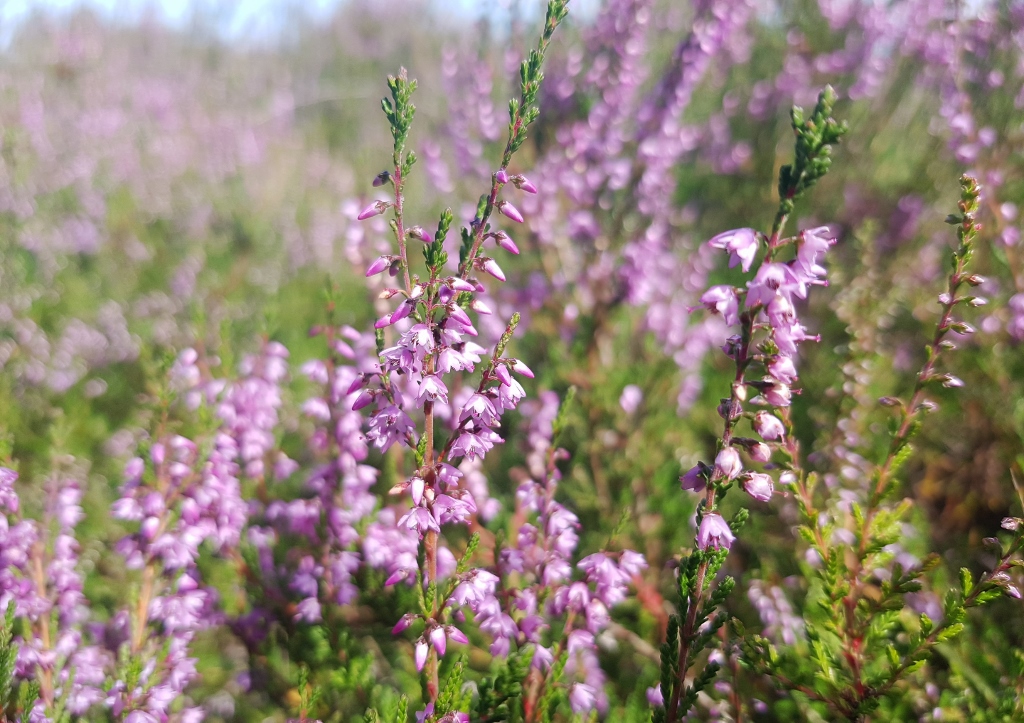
x,y
499,697
815,137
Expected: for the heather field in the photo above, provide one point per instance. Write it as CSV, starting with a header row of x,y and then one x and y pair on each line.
x,y
632,360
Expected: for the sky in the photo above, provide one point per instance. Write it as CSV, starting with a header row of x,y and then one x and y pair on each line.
x,y
235,18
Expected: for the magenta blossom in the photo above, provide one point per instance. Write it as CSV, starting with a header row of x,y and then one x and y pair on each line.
x,y
714,532
741,244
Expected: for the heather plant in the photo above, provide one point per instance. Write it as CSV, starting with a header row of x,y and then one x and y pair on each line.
x,y
443,482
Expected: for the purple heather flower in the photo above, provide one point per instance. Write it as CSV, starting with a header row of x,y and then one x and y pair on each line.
x,y
722,300
631,398
520,368
760,452
728,464
742,245
507,209
694,480
655,698
582,698
501,176
759,486
379,264
778,395
491,267
374,209
420,654
432,389
502,239
524,184
714,532
768,426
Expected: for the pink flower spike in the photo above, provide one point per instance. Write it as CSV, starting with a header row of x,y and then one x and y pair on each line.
x,y
501,176
520,368
374,209
417,487
421,654
492,268
379,264
438,640
507,209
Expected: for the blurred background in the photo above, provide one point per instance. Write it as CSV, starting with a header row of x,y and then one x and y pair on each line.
x,y
181,175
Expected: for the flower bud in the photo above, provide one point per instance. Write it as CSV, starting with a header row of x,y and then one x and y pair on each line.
x,y
524,184
507,209
379,264
491,267
461,284
417,232
480,307
374,209
381,178
502,239
501,176
520,368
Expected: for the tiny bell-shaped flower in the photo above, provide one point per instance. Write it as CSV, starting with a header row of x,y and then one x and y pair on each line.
x,y
491,267
520,368
768,426
421,654
507,209
403,622
418,232
714,532
759,486
438,640
374,209
379,264
501,176
760,452
728,464
480,307
695,479
458,284
502,239
524,184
